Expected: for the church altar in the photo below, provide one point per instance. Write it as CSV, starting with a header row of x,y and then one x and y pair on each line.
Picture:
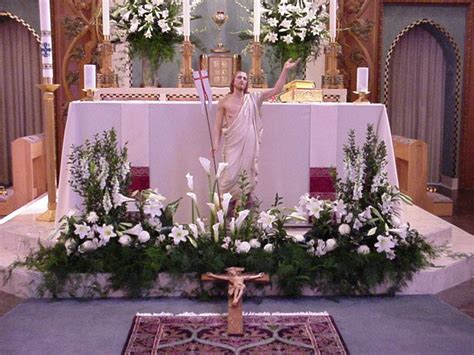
x,y
169,137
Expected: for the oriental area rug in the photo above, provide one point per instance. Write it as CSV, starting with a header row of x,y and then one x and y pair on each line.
x,y
264,333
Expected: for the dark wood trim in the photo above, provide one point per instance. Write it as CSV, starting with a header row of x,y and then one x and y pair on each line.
x,y
466,161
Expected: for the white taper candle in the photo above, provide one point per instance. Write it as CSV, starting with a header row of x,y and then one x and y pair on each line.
x,y
106,17
362,79
89,76
256,18
46,42
186,18
332,19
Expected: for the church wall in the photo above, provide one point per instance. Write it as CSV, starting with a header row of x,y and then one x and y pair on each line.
x,y
453,19
28,10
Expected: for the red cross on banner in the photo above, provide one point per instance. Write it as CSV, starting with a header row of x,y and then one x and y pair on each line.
x,y
201,82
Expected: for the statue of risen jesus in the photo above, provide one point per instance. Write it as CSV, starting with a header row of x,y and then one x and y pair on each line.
x,y
238,121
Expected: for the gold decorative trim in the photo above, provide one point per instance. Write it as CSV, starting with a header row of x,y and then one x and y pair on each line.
x,y
23,22
458,80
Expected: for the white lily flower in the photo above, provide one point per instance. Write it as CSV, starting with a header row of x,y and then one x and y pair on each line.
x,y
201,225
215,228
105,233
193,196
384,244
212,207
314,207
266,219
220,217
135,230
220,169
178,234
241,217
206,165
194,230
82,230
189,179
120,199
225,202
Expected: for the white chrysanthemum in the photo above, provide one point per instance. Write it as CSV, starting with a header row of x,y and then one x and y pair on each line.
x,y
363,250
254,243
243,248
268,248
92,217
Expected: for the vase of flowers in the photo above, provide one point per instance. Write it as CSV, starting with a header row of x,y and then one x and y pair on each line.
x,y
152,28
294,29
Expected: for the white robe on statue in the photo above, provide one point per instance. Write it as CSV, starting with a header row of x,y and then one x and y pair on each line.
x,y
241,146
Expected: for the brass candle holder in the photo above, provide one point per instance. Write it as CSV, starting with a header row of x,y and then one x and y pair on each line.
x,y
106,78
332,79
48,89
185,76
362,99
88,94
257,75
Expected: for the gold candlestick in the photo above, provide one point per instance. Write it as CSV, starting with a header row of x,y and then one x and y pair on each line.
x,y
48,89
362,99
106,78
185,76
257,75
88,94
332,79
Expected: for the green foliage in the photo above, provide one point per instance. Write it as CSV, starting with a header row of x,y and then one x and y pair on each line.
x,y
355,244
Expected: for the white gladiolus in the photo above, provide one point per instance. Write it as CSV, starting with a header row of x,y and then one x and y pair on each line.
x,y
92,217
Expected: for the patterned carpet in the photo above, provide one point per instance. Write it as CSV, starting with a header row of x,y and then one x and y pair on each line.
x,y
296,333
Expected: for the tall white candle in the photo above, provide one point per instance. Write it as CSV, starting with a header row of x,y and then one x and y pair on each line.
x,y
256,18
362,79
332,19
106,17
46,42
186,18
89,76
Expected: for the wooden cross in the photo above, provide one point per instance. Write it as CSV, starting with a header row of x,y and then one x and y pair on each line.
x,y
236,280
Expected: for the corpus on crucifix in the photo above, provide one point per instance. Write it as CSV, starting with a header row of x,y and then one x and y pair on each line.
x,y
236,280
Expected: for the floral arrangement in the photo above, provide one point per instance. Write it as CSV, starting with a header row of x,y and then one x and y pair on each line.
x,y
295,27
354,244
152,27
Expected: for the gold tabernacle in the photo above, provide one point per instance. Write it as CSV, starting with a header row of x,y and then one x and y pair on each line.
x,y
301,91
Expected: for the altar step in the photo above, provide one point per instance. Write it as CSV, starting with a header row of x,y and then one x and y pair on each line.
x,y
21,233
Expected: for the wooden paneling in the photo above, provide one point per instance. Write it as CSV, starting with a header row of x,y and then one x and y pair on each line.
x,y
75,40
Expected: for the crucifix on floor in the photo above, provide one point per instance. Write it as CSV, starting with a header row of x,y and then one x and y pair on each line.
x,y
236,281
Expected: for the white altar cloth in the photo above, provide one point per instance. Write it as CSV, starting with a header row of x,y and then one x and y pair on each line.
x,y
169,137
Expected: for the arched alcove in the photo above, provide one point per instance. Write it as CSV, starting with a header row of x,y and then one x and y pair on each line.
x,y
402,85
20,99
